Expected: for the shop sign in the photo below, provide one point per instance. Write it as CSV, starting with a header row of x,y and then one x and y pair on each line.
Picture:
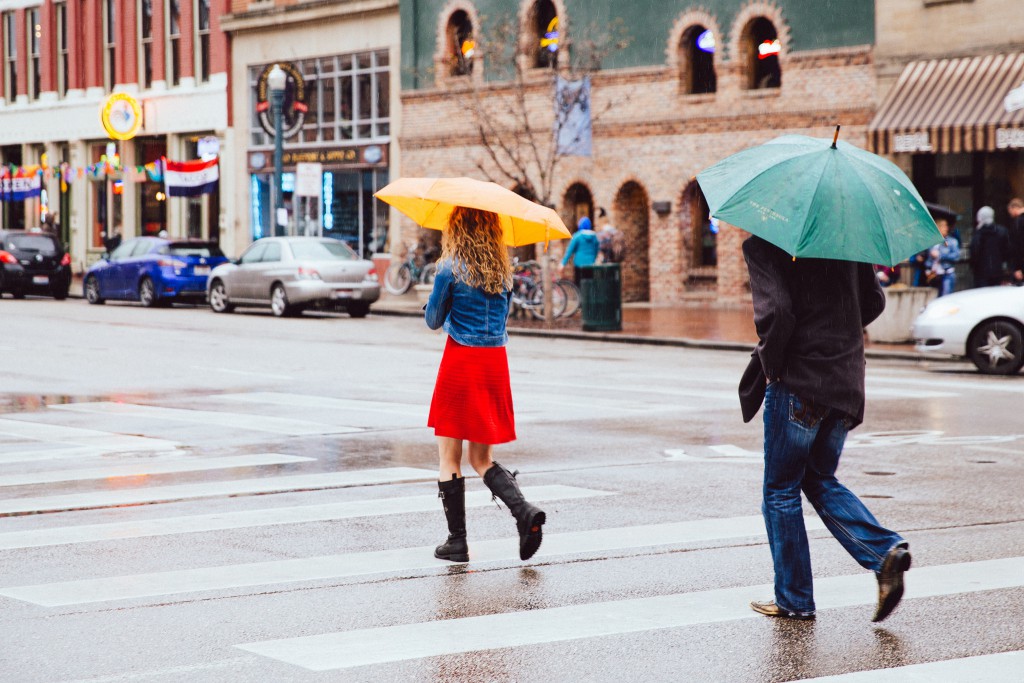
x,y
208,147
293,109
329,156
1009,138
308,179
1014,99
121,116
912,142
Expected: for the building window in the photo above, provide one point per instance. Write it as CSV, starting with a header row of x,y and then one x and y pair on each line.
x,y
173,42
461,46
109,44
10,36
762,47
544,36
697,61
63,72
202,41
348,100
34,32
145,30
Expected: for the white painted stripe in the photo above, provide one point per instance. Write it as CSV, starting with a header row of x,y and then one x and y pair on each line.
x,y
327,403
514,629
1005,667
51,433
996,384
881,393
380,562
245,519
240,487
260,423
144,468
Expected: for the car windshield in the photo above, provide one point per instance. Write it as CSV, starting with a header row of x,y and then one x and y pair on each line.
x,y
192,249
326,250
37,243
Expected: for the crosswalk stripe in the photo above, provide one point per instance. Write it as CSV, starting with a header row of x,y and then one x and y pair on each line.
x,y
363,647
151,467
379,562
326,403
259,423
240,487
1004,667
35,538
51,433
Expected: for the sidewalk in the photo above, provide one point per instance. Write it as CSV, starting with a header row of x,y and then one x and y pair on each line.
x,y
691,325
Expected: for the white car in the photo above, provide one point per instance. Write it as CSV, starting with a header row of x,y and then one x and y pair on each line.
x,y
290,274
983,325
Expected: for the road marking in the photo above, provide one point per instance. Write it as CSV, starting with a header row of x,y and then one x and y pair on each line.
x,y
186,672
260,423
1004,667
244,373
110,442
380,562
240,487
266,517
145,468
720,453
995,384
327,403
363,647
875,392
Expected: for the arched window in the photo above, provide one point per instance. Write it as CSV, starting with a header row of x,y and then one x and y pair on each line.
x,y
577,202
461,44
544,38
697,61
762,48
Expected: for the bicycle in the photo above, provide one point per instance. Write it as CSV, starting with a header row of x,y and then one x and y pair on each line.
x,y
528,292
400,276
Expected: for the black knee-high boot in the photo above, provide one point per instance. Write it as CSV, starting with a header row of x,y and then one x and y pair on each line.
x,y
529,518
453,498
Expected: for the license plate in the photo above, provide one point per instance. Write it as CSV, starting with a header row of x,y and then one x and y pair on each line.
x,y
201,270
40,279
342,294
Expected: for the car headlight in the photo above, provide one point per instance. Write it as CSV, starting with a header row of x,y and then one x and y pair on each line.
x,y
941,311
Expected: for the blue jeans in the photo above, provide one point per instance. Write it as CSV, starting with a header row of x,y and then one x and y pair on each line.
x,y
802,445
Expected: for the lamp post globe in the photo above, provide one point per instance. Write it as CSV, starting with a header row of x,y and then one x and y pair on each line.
x,y
277,80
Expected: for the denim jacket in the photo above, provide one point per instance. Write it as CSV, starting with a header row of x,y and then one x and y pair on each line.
x,y
470,316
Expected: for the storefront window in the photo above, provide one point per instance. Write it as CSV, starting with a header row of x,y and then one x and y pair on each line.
x,y
105,196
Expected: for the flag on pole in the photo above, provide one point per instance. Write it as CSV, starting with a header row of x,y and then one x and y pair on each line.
x,y
190,178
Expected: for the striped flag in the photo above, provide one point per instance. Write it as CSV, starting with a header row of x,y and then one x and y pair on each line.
x,y
190,178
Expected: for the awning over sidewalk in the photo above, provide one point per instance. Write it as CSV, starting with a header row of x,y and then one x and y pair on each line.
x,y
968,104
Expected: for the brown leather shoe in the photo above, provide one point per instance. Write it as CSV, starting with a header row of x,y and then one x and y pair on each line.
x,y
770,609
890,580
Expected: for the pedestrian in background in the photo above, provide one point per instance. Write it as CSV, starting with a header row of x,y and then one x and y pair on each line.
x,y
1016,230
582,250
808,370
887,275
990,250
942,258
611,241
472,399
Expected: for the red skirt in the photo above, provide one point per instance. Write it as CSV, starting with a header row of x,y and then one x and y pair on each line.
x,y
472,397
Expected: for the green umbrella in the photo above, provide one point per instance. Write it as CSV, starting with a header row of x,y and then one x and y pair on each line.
x,y
820,199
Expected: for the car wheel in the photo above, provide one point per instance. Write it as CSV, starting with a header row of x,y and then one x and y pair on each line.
x,y
92,290
59,293
18,294
279,302
219,298
147,293
996,347
358,310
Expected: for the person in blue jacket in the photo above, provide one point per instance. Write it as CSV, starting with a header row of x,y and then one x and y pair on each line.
x,y
583,248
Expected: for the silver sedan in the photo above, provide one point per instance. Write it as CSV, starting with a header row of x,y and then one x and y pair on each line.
x,y
291,274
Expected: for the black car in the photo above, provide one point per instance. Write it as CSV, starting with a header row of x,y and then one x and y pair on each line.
x,y
33,262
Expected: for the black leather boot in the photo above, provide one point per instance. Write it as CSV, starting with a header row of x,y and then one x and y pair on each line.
x,y
453,498
529,518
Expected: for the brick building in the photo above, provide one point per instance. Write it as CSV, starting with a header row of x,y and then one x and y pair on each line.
x,y
695,84
341,111
61,60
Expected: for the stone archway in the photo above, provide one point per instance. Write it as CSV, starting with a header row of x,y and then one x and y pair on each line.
x,y
700,241
577,202
631,214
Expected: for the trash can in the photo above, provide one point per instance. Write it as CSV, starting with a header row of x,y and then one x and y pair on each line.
x,y
601,297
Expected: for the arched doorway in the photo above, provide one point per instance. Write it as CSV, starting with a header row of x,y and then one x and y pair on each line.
x,y
577,203
700,241
631,215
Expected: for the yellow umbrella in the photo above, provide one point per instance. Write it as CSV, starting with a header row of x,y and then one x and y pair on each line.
x,y
429,202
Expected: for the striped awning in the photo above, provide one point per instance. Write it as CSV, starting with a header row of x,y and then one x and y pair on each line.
x,y
968,104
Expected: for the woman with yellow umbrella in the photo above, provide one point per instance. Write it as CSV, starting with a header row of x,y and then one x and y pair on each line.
x,y
472,399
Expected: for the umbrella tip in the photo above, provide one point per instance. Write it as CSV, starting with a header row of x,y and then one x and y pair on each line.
x,y
835,137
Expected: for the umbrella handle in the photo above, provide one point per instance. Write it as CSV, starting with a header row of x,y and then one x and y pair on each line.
x,y
835,137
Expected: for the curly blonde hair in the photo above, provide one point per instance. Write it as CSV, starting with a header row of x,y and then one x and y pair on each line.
x,y
474,243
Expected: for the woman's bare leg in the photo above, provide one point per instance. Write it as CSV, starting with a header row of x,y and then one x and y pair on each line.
x,y
480,457
450,458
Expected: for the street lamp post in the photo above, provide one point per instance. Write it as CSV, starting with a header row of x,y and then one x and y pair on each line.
x,y
276,81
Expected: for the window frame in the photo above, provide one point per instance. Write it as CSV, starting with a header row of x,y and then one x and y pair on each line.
x,y
172,42
62,47
34,51
145,43
202,40
10,54
109,45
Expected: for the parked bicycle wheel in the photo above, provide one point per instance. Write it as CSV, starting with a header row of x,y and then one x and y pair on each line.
x,y
536,301
398,278
428,273
572,297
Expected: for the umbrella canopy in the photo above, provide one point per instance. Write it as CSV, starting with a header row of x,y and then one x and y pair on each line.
x,y
815,198
429,202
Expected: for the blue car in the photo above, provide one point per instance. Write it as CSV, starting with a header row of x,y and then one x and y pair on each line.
x,y
153,271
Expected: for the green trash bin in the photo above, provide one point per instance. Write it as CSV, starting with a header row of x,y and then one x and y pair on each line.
x,y
601,297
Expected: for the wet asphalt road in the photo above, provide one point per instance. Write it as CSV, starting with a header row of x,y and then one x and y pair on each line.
x,y
98,401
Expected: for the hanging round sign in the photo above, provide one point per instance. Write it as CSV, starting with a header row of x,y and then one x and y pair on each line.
x,y
121,116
